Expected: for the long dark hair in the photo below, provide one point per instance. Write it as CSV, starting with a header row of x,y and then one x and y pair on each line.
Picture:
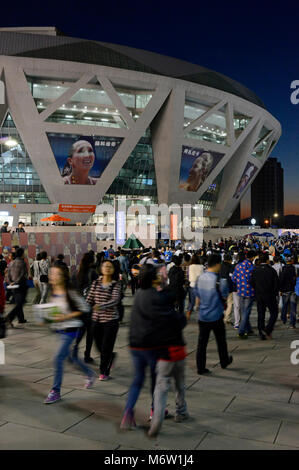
x,y
84,267
147,275
65,275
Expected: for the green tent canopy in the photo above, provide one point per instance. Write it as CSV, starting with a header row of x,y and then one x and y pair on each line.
x,y
133,243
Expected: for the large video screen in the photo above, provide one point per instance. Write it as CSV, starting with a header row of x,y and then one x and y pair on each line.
x,y
196,165
82,159
247,176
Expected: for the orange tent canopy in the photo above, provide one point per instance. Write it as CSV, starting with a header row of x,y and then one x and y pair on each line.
x,y
55,218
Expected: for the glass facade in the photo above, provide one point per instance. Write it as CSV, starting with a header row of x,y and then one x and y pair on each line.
x,y
134,100
261,143
240,123
19,182
137,177
210,197
212,129
89,106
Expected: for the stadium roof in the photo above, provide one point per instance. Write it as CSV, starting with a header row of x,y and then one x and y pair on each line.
x,y
49,43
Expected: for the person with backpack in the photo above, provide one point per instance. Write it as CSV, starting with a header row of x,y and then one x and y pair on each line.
x,y
265,282
104,296
287,285
83,281
66,324
44,267
211,293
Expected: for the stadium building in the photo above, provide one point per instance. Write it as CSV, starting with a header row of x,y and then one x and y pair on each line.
x,y
83,122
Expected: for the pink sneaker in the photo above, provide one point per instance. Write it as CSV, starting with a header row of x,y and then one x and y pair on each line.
x,y
103,377
128,421
89,382
166,413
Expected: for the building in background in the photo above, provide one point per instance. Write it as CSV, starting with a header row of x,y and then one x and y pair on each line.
x,y
147,127
236,217
267,195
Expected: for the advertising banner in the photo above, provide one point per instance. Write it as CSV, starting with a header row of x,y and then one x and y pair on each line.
x,y
196,165
247,176
82,159
82,209
120,227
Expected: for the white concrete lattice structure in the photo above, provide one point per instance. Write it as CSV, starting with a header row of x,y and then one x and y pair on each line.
x,y
164,115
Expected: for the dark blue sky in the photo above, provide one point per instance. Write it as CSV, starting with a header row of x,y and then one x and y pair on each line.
x,y
253,42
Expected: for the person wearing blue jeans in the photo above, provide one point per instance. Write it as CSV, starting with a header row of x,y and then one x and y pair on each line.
x,y
241,280
67,340
153,325
289,298
246,306
141,360
67,323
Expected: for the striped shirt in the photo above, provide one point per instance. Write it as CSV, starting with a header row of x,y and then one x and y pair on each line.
x,y
107,298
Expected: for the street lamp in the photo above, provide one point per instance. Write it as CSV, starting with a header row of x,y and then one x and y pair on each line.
x,y
270,221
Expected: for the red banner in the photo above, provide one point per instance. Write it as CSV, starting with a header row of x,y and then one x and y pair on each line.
x,y
76,208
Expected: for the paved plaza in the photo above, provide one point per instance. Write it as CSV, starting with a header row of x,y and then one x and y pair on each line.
x,y
252,405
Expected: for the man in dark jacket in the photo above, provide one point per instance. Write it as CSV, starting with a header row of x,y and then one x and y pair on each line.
x,y
287,282
17,276
265,282
177,282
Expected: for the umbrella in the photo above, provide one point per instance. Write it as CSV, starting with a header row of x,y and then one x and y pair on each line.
x,y
133,243
255,234
55,218
267,234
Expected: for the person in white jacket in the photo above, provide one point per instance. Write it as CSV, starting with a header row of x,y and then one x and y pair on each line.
x,y
196,269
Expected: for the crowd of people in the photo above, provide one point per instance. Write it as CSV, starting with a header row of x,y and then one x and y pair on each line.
x,y
216,285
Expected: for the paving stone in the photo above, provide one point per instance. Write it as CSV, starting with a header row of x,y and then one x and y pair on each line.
x,y
14,436
288,434
271,391
56,417
258,429
27,374
264,409
173,436
219,442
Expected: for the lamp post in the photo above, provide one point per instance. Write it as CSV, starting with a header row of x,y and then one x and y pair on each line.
x,y
266,221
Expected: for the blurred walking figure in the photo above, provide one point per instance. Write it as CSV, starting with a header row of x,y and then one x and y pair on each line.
x,y
152,321
36,281
17,276
177,283
104,296
44,267
83,281
67,325
195,270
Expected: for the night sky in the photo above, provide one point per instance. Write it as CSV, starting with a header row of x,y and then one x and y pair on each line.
x,y
255,43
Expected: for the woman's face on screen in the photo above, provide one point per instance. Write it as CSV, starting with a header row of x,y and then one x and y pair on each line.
x,y
83,156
